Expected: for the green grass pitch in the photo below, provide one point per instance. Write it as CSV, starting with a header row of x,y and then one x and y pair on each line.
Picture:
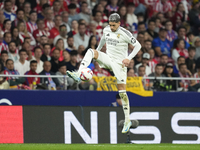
x,y
99,147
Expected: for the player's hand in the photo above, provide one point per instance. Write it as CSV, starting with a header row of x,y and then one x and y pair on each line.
x,y
125,62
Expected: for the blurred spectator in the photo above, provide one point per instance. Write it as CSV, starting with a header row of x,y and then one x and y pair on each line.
x,y
55,60
158,25
84,14
180,16
72,64
141,71
131,17
171,34
179,49
4,57
13,51
151,29
26,46
11,71
197,74
72,13
27,10
6,26
15,36
194,17
112,7
31,24
19,18
62,35
147,46
55,30
43,40
60,46
65,17
100,7
130,73
7,37
162,6
141,27
70,43
22,65
99,23
192,38
41,31
152,61
197,45
92,43
66,56
118,101
23,33
81,38
38,8
46,53
100,72
49,22
157,84
140,38
57,7
44,8
145,61
65,82
182,35
164,59
190,61
30,80
131,64
38,55
80,50
3,82
171,85
138,57
53,83
123,16
8,10
161,44
74,28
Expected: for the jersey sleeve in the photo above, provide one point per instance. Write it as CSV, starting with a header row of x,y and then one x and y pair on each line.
x,y
102,41
131,40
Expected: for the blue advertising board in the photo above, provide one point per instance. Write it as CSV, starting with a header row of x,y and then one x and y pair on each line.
x,y
96,98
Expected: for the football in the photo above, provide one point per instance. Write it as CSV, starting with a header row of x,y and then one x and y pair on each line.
x,y
86,74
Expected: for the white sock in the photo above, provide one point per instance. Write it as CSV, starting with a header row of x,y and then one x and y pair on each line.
x,y
86,60
125,104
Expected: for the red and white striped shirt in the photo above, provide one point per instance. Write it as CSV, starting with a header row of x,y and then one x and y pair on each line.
x,y
152,65
163,8
3,46
13,10
49,24
37,33
31,27
196,75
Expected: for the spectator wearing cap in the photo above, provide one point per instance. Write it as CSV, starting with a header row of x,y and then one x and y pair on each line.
x,y
8,11
4,57
31,24
145,60
158,84
62,35
171,34
32,71
190,61
72,13
65,82
57,7
65,16
38,55
180,60
55,30
48,21
46,52
161,44
81,38
194,17
84,14
53,82
55,60
13,51
171,85
151,29
22,65
72,64
7,37
179,49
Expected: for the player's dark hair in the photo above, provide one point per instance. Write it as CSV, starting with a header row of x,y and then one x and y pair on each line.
x,y
114,18
33,62
22,50
9,60
191,48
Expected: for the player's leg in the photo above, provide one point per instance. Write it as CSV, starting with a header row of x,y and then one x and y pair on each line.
x,y
90,54
126,107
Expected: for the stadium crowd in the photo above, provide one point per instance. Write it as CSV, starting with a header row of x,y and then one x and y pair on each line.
x,y
49,37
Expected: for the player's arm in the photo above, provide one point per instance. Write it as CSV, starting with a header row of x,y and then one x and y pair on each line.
x,y
101,43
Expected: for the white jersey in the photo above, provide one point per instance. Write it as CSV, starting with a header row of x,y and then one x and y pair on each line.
x,y
117,44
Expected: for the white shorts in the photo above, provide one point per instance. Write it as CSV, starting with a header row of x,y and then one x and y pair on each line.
x,y
106,62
